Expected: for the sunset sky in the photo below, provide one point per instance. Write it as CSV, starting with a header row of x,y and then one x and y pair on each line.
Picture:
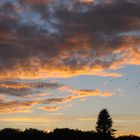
x,y
62,61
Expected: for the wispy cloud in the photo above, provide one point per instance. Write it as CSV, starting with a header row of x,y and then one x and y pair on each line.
x,y
86,119
35,94
50,108
14,106
84,93
26,89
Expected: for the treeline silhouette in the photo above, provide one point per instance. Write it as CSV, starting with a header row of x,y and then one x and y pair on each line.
x,y
58,134
104,131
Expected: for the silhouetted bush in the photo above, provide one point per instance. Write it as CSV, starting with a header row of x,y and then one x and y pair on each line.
x,y
9,133
130,137
33,134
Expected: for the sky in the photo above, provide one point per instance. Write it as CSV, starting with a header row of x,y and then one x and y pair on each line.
x,y
62,61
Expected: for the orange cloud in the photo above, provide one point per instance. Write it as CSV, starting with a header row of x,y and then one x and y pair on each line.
x,y
14,86
47,1
86,1
63,72
84,93
50,108
38,1
14,106
84,119
33,119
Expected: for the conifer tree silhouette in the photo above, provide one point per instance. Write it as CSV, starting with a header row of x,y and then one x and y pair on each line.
x,y
104,123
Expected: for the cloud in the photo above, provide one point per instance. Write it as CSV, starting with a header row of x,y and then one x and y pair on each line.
x,y
84,119
38,89
73,94
33,119
38,1
43,119
84,93
33,95
67,38
50,108
13,106
26,89
26,106
26,94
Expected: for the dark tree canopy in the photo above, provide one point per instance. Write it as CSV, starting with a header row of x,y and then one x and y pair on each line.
x,y
104,123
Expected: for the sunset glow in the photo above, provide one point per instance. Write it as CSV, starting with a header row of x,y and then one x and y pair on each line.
x,y
62,61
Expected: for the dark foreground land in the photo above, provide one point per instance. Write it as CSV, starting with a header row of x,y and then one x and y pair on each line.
x,y
57,134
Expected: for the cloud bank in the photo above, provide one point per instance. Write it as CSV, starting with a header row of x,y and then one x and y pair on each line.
x,y
48,38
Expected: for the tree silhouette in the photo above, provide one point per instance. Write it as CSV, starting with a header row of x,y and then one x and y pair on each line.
x,y
104,123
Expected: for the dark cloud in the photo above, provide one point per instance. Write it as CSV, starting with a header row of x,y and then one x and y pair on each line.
x,y
26,89
65,38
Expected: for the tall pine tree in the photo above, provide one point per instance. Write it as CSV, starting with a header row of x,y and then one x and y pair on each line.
x,y
104,123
